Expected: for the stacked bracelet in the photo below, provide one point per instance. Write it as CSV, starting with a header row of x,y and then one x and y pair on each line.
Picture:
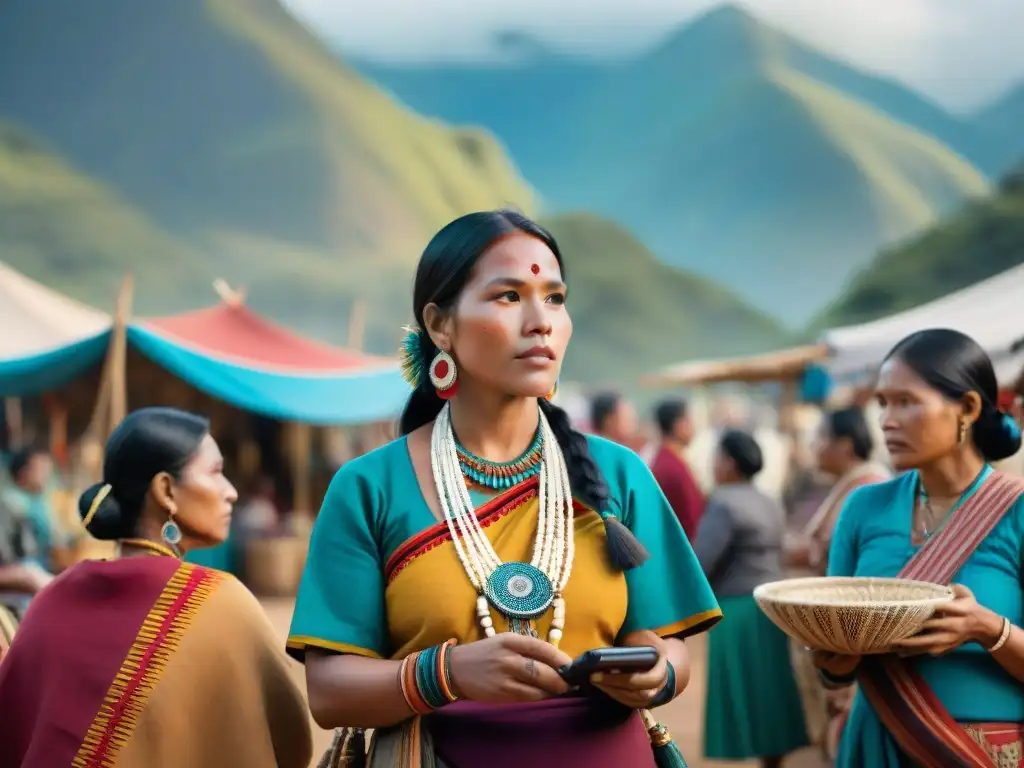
x,y
426,679
668,691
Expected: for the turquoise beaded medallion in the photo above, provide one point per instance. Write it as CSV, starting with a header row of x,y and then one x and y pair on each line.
x,y
499,476
519,591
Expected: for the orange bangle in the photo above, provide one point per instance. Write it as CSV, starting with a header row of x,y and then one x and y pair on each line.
x,y
444,672
409,688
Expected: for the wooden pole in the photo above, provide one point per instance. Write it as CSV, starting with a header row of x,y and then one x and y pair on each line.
x,y
119,368
14,420
300,445
357,325
111,399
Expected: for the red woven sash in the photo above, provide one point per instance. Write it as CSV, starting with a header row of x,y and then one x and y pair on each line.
x,y
904,703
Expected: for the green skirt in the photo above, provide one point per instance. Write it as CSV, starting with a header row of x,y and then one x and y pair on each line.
x,y
753,704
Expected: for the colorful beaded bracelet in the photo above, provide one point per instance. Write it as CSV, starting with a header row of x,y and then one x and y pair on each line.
x,y
426,679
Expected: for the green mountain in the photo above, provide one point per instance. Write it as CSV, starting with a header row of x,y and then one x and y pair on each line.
x,y
631,312
1001,124
732,149
984,239
228,115
238,134
76,235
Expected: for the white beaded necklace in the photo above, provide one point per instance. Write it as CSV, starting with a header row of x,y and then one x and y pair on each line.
x,y
520,591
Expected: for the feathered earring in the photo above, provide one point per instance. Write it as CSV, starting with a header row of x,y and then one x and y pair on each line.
x,y
410,356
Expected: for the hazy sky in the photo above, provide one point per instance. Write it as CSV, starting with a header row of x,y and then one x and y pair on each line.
x,y
961,52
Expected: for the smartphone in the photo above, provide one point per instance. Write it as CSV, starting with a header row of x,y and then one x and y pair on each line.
x,y
610,660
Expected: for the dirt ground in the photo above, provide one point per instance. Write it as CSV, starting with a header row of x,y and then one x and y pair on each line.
x,y
684,717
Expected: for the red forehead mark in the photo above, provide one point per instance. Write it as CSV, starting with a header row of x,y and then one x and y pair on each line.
x,y
535,268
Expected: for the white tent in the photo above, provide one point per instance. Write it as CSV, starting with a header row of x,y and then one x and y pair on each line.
x,y
36,319
991,312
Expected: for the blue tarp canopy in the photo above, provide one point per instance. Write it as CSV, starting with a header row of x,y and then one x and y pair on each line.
x,y
339,388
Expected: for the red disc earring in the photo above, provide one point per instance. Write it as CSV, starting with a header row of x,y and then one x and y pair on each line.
x,y
444,375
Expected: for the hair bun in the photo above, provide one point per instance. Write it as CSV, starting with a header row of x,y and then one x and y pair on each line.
x,y
107,522
997,435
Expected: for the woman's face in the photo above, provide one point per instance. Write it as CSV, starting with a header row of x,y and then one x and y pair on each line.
x,y
920,425
724,469
830,453
204,497
510,328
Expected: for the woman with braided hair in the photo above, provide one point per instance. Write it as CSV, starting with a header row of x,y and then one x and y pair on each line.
x,y
453,572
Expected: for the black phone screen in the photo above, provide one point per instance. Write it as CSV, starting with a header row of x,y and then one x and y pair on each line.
x,y
611,660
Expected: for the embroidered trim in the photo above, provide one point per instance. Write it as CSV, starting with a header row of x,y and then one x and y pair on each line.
x,y
1002,742
157,640
300,643
437,534
691,625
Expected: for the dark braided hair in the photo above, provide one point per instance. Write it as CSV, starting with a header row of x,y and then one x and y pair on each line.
x,y
443,271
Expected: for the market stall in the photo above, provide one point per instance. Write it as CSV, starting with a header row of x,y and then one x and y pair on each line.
x,y
989,312
276,400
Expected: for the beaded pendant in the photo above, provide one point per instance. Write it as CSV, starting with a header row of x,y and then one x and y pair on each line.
x,y
500,476
519,591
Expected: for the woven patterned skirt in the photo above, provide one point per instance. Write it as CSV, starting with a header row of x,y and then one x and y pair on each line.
x,y
753,703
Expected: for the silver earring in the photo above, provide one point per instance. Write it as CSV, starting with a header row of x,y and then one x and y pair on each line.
x,y
171,532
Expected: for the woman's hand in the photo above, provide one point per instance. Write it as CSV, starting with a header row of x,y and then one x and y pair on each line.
x,y
835,664
508,668
636,689
961,621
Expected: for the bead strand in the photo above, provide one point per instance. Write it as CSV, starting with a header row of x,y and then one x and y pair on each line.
x,y
554,545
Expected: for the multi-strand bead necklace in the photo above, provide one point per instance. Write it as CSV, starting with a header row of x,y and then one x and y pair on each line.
x,y
522,592
501,476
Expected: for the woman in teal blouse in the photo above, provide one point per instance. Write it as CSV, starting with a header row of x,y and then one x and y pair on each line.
x,y
962,703
452,572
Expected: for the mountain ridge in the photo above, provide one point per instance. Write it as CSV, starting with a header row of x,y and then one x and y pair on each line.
x,y
641,140
982,240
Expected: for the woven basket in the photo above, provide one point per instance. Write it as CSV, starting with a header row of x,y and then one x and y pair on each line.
x,y
850,615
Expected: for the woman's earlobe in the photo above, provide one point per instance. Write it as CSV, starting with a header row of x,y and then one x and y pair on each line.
x,y
435,323
162,490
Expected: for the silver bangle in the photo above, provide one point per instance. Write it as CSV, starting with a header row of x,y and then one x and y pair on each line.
x,y
1003,636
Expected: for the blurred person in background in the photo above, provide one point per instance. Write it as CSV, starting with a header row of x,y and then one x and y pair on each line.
x,y
753,704
257,514
843,450
614,418
950,695
1012,402
146,660
31,469
670,467
21,576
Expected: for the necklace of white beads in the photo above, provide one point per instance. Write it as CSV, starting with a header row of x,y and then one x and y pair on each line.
x,y
520,591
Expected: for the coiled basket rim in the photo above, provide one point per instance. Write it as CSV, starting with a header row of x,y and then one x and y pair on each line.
x,y
786,592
